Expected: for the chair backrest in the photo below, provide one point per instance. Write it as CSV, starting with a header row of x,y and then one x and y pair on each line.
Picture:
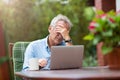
x,y
18,55
18,50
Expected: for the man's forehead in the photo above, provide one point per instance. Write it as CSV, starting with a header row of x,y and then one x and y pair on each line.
x,y
62,24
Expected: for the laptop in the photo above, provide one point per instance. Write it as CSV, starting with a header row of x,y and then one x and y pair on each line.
x,y
66,57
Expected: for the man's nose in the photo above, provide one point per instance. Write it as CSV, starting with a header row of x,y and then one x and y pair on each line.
x,y
57,33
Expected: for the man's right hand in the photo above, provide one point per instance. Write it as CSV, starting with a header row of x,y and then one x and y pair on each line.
x,y
42,62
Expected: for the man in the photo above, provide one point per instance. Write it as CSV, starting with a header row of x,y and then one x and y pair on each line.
x,y
58,35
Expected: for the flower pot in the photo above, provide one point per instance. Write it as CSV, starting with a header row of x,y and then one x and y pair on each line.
x,y
113,59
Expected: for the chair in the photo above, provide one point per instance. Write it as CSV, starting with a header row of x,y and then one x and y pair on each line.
x,y
16,51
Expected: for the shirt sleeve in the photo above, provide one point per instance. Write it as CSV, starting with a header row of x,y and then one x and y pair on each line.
x,y
27,55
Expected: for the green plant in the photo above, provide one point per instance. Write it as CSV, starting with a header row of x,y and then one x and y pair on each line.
x,y
105,27
3,59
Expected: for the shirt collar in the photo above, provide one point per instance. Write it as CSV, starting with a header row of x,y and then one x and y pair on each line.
x,y
46,42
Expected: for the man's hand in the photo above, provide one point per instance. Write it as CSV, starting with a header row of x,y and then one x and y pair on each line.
x,y
42,62
63,31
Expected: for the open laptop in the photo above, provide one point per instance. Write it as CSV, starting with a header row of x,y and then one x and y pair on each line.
x,y
66,57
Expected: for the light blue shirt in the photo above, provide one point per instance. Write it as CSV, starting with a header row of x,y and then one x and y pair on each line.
x,y
38,49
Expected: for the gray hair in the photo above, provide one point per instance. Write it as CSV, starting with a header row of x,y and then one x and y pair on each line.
x,y
60,17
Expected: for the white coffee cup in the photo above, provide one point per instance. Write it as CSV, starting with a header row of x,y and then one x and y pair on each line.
x,y
33,64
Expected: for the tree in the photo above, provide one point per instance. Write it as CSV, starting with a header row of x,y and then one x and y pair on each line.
x,y
30,18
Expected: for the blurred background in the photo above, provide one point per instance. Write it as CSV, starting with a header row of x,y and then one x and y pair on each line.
x,y
28,20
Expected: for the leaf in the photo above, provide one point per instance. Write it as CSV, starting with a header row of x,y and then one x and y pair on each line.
x,y
99,12
88,37
3,59
107,33
96,40
106,50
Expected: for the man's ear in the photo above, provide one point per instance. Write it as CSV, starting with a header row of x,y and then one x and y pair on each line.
x,y
49,29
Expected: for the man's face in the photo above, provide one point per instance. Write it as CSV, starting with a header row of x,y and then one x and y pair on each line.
x,y
55,34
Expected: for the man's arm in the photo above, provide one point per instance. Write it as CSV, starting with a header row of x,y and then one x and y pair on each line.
x,y
27,55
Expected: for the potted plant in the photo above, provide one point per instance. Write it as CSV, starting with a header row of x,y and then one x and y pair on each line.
x,y
105,28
